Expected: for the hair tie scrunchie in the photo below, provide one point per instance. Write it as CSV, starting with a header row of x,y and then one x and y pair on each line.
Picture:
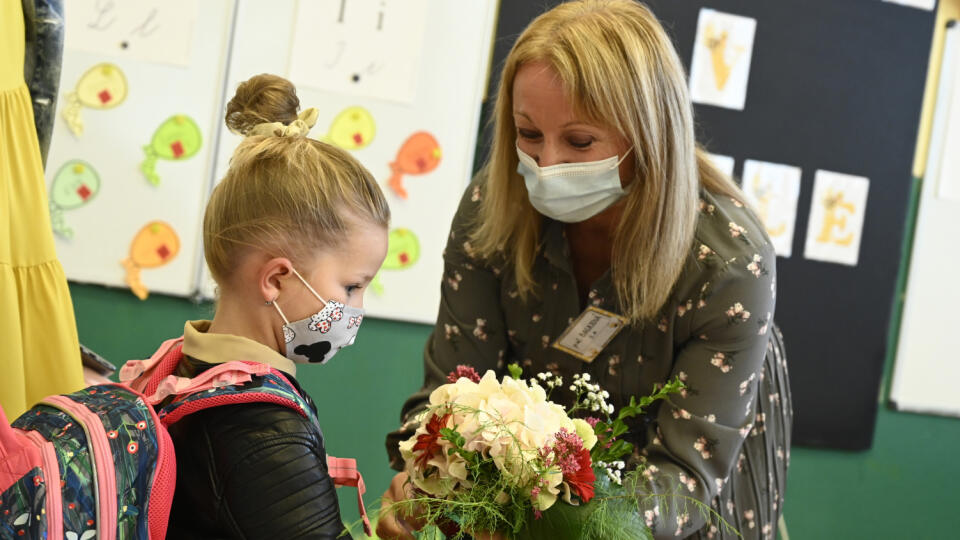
x,y
298,128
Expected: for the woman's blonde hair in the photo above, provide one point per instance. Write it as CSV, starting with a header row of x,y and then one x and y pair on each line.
x,y
288,195
620,70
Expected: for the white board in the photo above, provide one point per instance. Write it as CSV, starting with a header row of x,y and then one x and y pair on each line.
x,y
113,138
452,59
927,369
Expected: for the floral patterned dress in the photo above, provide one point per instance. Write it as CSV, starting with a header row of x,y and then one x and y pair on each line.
x,y
725,441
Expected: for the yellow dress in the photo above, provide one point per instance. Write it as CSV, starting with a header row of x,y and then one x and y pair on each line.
x,y
39,352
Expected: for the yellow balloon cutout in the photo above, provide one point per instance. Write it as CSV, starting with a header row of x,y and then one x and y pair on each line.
x,y
352,129
102,87
155,245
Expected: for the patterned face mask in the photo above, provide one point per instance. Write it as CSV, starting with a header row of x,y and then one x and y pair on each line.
x,y
317,338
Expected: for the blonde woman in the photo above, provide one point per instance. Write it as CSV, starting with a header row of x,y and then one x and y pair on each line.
x,y
596,195
292,235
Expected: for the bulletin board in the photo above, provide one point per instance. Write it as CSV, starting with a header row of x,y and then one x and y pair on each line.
x,y
397,83
140,139
131,156
835,87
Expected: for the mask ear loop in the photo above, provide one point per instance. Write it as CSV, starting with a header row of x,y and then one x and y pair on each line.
x,y
282,316
308,285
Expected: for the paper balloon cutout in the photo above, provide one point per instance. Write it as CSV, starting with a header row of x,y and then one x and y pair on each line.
x,y
102,87
403,251
177,138
419,154
155,245
352,129
74,185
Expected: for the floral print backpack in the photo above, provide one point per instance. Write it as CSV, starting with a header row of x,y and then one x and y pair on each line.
x,y
99,463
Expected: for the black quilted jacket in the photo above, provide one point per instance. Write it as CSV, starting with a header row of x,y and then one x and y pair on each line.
x,y
250,471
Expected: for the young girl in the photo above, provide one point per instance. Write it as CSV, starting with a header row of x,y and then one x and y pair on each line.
x,y
292,236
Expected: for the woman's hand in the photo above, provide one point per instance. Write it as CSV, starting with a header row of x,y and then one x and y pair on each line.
x,y
396,526
391,525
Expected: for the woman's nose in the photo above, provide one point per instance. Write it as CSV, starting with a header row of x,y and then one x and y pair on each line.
x,y
549,155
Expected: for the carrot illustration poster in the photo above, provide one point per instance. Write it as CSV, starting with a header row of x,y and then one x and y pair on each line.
x,y
720,67
419,154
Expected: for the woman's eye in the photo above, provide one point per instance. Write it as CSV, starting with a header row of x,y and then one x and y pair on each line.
x,y
528,134
580,142
351,288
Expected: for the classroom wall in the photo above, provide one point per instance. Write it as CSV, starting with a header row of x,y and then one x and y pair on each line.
x,y
903,487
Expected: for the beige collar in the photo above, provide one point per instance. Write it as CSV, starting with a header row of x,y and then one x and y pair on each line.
x,y
221,348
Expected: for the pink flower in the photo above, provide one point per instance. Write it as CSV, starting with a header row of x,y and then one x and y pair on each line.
x,y
574,462
592,421
463,371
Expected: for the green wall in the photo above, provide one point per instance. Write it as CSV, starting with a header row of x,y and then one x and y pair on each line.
x,y
904,487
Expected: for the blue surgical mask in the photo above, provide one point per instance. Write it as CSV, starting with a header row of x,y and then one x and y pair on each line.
x,y
572,192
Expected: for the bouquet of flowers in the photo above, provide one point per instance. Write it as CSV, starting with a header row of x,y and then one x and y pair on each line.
x,y
499,456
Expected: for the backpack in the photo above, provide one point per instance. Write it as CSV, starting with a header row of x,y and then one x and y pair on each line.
x,y
99,463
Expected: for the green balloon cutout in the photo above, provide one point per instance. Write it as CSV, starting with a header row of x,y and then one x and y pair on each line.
x,y
75,184
403,251
177,138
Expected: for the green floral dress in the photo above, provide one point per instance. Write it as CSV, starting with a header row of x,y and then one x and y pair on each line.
x,y
725,441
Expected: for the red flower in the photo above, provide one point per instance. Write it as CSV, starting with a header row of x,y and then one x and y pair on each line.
x,y
463,371
89,523
427,442
37,480
581,481
112,434
21,532
71,506
141,425
132,448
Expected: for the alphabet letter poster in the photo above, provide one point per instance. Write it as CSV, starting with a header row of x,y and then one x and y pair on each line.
x,y
836,217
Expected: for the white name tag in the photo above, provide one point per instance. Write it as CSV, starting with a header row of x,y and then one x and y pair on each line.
x,y
590,333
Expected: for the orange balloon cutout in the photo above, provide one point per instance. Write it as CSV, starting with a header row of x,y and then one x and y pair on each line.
x,y
419,154
155,245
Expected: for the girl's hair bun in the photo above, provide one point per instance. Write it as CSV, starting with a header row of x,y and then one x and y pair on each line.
x,y
262,99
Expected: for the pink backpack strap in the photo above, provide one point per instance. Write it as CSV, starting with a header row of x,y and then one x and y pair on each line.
x,y
344,473
230,373
145,375
17,455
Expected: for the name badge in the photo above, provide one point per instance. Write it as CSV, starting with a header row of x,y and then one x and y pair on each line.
x,y
590,333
